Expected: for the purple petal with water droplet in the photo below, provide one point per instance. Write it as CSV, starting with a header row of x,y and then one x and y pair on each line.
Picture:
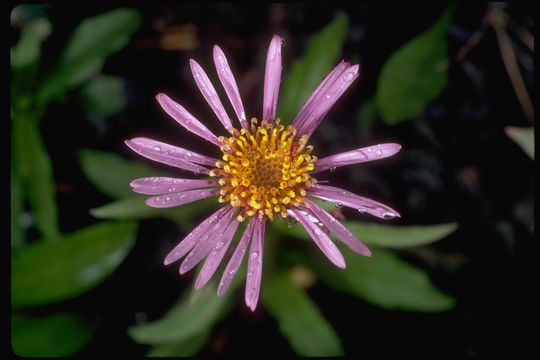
x,y
302,115
181,198
319,237
236,258
357,156
325,99
192,239
229,84
184,118
347,198
210,94
337,228
255,265
216,255
206,242
170,155
272,79
167,185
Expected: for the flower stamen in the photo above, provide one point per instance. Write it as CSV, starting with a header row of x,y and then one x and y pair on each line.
x,y
265,170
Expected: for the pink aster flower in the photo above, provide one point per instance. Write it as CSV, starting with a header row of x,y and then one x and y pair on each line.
x,y
266,170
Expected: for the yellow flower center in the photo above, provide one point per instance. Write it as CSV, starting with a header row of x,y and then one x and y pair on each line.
x,y
264,170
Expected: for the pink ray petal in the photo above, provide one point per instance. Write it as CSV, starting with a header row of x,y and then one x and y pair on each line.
x,y
326,99
357,156
184,118
210,94
347,198
165,185
181,198
207,241
229,84
255,265
337,228
166,154
195,236
214,259
159,148
236,258
322,240
303,114
272,79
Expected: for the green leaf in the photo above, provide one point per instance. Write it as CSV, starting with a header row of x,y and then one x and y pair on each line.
x,y
308,71
104,95
57,335
524,137
135,208
111,173
368,113
415,74
36,172
87,49
44,273
28,50
17,233
308,332
181,348
191,316
385,280
399,236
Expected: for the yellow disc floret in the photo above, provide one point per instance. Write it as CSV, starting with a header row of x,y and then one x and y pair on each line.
x,y
264,170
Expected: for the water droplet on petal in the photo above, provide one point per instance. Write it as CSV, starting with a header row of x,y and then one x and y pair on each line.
x,y
338,204
388,216
254,255
157,148
328,96
378,152
333,168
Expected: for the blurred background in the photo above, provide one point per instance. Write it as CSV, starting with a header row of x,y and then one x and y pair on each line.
x,y
452,84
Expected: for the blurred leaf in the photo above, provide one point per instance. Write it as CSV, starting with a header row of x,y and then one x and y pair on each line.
x,y
86,51
37,175
44,273
191,316
323,52
135,208
57,335
381,235
415,74
524,137
28,49
181,348
104,95
386,281
399,236
17,233
308,332
111,173
368,113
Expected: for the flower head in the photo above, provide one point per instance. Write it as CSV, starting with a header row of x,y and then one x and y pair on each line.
x,y
266,170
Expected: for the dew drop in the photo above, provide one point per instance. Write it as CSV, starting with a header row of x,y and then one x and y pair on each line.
x,y
254,255
328,96
333,168
348,77
157,148
197,75
231,273
388,216
378,152
338,204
